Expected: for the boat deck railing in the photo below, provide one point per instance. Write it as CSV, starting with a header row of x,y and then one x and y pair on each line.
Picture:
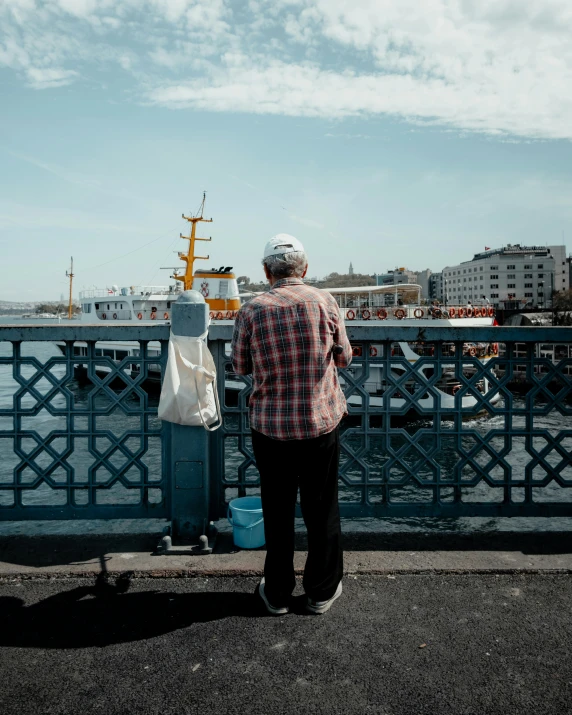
x,y
414,312
139,291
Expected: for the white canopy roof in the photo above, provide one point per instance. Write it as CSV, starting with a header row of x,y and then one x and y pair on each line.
x,y
374,289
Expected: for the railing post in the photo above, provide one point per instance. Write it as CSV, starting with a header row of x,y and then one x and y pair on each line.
x,y
190,463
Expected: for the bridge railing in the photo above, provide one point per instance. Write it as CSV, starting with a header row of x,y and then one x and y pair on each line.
x,y
442,422
79,433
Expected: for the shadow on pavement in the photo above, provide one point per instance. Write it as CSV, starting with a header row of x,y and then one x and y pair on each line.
x,y
106,614
42,551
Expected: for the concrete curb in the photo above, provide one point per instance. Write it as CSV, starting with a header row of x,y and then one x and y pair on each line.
x,y
396,554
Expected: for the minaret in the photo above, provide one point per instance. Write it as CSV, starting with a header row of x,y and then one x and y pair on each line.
x,y
351,271
70,275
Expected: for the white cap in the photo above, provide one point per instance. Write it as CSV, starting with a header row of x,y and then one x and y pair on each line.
x,y
282,243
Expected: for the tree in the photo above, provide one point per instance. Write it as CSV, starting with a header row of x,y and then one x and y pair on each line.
x,y
562,300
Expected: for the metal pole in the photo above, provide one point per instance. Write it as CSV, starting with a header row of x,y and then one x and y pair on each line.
x,y
190,464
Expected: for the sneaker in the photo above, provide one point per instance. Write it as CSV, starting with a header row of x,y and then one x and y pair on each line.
x,y
319,607
274,610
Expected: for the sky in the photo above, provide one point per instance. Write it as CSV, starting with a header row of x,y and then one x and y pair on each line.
x,y
383,133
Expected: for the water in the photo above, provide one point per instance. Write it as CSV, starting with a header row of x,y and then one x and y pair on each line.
x,y
117,422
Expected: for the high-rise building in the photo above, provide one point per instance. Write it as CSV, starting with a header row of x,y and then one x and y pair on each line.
x,y
351,270
423,279
436,287
509,277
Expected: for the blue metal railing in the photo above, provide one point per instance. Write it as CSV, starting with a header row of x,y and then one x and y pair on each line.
x,y
451,433
479,425
71,451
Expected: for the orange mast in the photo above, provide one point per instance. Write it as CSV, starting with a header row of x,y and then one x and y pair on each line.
x,y
189,258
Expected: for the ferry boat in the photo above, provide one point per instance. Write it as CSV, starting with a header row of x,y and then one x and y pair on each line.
x,y
150,303
357,305
369,303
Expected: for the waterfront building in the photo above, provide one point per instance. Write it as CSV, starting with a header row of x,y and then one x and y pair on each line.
x,y
436,287
513,276
398,276
395,277
423,279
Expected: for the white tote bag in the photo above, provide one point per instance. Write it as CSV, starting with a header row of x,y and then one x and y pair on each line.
x,y
189,394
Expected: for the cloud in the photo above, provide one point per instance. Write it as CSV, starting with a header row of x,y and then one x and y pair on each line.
x,y
496,67
49,77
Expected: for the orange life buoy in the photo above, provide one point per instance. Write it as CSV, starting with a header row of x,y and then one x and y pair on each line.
x,y
356,350
153,315
228,315
495,348
451,312
219,316
114,316
462,312
382,314
418,312
140,316
166,316
472,351
365,314
399,314
469,312
477,313
104,316
211,315
372,351
350,315
491,312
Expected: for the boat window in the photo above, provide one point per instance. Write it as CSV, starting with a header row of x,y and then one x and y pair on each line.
x,y
120,354
108,308
153,353
168,304
223,287
108,353
97,306
98,351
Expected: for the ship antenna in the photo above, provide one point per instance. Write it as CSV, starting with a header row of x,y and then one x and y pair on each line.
x,y
70,275
189,258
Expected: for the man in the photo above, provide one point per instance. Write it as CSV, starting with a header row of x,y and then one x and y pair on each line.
x,y
291,339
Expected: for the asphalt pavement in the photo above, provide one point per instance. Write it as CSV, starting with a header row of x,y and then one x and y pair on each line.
x,y
392,644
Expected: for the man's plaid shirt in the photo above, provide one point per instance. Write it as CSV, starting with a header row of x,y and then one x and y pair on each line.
x,y
284,338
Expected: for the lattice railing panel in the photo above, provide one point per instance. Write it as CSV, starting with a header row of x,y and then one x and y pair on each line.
x,y
464,425
79,433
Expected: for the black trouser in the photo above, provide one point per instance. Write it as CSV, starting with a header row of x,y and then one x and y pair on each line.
x,y
312,465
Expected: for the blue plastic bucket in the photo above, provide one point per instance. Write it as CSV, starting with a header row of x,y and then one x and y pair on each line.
x,y
245,515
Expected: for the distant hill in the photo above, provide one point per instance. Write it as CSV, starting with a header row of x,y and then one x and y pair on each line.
x,y
333,280
341,280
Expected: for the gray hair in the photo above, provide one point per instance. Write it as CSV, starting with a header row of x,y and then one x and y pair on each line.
x,y
286,265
